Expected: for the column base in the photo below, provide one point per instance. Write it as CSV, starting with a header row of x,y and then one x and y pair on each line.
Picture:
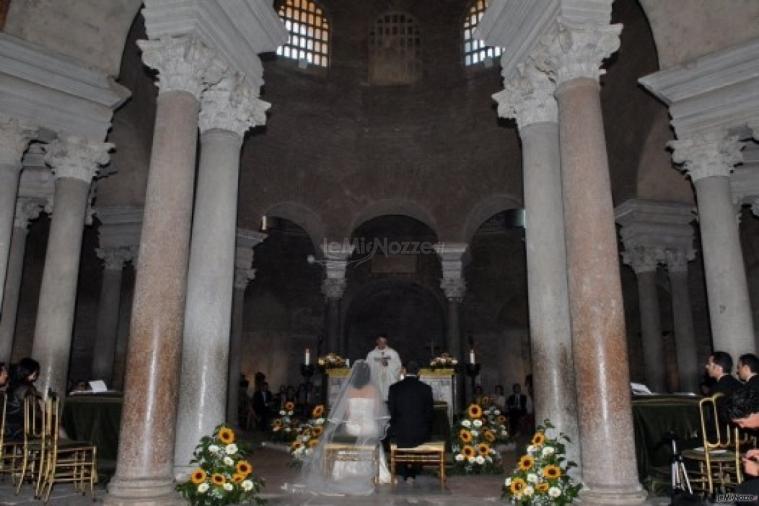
x,y
596,497
147,492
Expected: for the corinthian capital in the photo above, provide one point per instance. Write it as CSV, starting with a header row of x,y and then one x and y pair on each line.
x,y
26,211
677,259
453,288
183,63
333,288
643,259
527,96
574,51
233,105
14,139
114,258
706,155
77,158
243,277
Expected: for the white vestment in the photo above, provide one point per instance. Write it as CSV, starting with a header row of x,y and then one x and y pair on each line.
x,y
384,375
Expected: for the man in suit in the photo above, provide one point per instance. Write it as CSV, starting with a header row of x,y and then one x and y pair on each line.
x,y
744,412
719,367
261,402
411,412
748,370
516,408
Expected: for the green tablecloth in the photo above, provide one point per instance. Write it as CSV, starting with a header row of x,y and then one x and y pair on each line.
x,y
653,418
97,419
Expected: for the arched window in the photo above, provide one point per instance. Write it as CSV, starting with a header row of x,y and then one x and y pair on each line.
x,y
475,51
395,50
309,32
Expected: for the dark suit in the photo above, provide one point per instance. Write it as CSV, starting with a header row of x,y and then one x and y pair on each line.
x,y
261,403
726,385
753,383
411,412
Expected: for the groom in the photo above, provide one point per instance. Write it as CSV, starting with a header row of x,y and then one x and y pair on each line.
x,y
411,411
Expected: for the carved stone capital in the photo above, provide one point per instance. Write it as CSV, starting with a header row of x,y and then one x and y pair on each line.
x,y
707,155
183,63
232,104
26,211
336,256
573,51
114,258
677,260
643,259
453,288
77,158
243,277
528,97
333,288
14,139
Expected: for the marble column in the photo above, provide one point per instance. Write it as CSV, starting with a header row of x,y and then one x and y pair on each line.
x,y
644,261
144,471
454,290
228,110
75,161
14,139
573,56
246,241
108,311
26,210
709,159
690,371
336,257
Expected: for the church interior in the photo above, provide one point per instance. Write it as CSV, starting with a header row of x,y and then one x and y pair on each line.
x,y
197,194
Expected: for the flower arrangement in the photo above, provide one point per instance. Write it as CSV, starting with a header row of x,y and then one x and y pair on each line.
x,y
285,427
541,474
444,361
496,425
224,474
331,361
308,435
473,442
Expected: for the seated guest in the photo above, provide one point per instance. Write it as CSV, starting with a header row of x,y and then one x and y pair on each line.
x,y
499,398
744,412
748,370
411,412
718,367
21,386
3,377
516,408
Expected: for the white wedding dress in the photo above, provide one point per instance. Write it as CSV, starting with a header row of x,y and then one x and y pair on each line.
x,y
362,423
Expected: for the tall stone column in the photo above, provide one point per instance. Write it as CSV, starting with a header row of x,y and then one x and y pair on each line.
x,y
573,56
246,241
108,311
228,109
14,138
75,161
528,97
644,262
709,159
144,472
336,256
688,367
26,210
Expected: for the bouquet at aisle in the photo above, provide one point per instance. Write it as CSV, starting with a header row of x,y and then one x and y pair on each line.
x,y
473,441
285,427
444,361
332,361
224,474
308,435
541,474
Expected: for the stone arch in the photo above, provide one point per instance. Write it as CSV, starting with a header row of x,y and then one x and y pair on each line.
x,y
401,207
304,217
484,210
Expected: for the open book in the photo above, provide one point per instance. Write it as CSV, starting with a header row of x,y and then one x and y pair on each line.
x,y
640,389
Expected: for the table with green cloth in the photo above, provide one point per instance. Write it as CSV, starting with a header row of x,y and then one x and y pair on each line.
x,y
95,418
656,416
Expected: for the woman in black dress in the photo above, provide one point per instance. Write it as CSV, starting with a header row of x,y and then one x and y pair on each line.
x,y
21,386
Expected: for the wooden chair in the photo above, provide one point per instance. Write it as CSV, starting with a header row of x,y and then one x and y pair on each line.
x,y
65,461
430,454
718,460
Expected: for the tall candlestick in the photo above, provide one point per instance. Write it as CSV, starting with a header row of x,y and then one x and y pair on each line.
x,y
471,356
348,363
308,357
263,223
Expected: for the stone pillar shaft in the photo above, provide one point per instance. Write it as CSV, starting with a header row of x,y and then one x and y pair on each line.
x,y
650,324
107,323
334,341
685,338
12,291
235,354
453,339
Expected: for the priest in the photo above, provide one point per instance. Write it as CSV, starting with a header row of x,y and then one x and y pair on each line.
x,y
385,365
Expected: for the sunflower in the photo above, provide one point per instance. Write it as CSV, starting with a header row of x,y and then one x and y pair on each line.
x,y
517,485
244,468
526,462
318,411
296,445
474,411
312,443
276,424
501,419
289,406
317,431
198,476
542,487
226,435
551,472
538,439
484,449
218,479
468,451
489,436
237,477
465,436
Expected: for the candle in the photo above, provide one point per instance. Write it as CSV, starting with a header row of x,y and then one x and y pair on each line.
x,y
348,363
308,357
471,356
263,223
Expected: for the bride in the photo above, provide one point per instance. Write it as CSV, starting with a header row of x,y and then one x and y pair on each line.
x,y
359,419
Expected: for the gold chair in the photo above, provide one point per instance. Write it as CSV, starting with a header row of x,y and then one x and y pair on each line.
x,y
29,449
65,461
718,459
430,454
350,452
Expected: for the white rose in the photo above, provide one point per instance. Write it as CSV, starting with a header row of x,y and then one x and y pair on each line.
x,y
320,421
554,492
282,413
247,485
287,429
497,412
508,482
203,488
305,438
480,459
548,450
531,449
475,433
231,449
228,461
470,460
477,423
228,487
213,449
466,423
489,459
289,413
532,478
528,490
459,457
